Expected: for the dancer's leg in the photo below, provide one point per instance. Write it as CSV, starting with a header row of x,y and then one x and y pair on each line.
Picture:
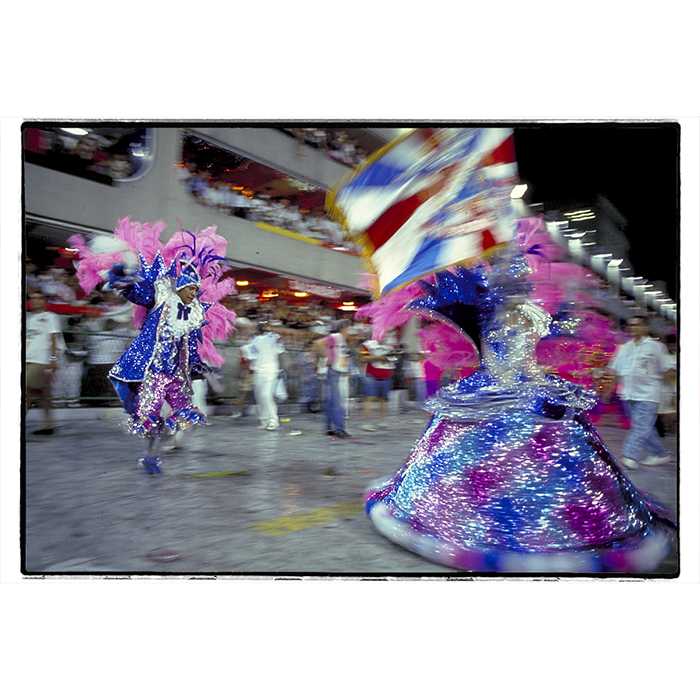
x,y
179,396
153,446
199,386
150,401
151,460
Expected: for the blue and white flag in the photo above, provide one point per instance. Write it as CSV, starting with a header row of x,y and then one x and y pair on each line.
x,y
431,199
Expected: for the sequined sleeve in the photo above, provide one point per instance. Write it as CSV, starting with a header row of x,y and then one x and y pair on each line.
x,y
192,342
141,293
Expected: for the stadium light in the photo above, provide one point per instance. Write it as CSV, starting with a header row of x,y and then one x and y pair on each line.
x,y
75,131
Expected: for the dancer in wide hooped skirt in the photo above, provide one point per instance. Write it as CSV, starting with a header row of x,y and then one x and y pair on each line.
x,y
509,474
161,363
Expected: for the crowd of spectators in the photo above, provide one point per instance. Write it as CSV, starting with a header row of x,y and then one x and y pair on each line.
x,y
277,211
337,144
96,329
90,155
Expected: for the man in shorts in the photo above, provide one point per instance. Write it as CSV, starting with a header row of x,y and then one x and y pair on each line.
x,y
380,363
44,341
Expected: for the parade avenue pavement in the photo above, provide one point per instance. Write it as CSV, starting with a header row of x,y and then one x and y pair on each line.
x,y
234,499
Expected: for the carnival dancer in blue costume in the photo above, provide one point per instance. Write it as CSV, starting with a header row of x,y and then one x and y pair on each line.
x,y
509,474
163,360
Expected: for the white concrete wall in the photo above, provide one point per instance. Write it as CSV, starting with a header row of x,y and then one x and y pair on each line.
x,y
278,150
160,195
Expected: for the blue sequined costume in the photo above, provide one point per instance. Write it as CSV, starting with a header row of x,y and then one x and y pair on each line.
x,y
161,362
509,475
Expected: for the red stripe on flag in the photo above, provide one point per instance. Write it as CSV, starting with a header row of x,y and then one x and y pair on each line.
x,y
487,240
425,134
430,138
393,219
503,153
386,225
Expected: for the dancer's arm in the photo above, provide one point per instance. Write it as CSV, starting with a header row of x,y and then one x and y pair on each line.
x,y
132,287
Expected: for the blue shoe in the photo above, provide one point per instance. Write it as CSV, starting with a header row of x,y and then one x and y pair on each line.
x,y
151,465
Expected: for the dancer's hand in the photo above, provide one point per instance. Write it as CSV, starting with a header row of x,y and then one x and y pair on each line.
x,y
200,369
119,277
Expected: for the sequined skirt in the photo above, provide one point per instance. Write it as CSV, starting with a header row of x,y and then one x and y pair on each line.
x,y
522,492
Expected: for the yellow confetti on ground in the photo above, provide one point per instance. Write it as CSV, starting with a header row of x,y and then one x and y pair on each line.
x,y
214,475
308,519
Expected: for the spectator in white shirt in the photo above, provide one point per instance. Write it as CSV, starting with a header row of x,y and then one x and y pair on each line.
x,y
53,286
263,353
642,364
110,335
44,342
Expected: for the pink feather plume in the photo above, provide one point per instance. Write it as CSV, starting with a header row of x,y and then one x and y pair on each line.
x,y
144,238
390,311
92,264
447,348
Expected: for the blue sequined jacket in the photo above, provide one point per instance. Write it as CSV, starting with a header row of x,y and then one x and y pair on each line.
x,y
167,342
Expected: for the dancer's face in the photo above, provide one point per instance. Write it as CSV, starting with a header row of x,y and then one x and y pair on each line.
x,y
188,293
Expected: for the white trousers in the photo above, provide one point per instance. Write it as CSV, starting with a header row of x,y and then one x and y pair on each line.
x,y
264,384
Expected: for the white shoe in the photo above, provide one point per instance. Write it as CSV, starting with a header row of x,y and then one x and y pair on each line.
x,y
383,426
629,463
271,426
236,414
369,428
653,461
